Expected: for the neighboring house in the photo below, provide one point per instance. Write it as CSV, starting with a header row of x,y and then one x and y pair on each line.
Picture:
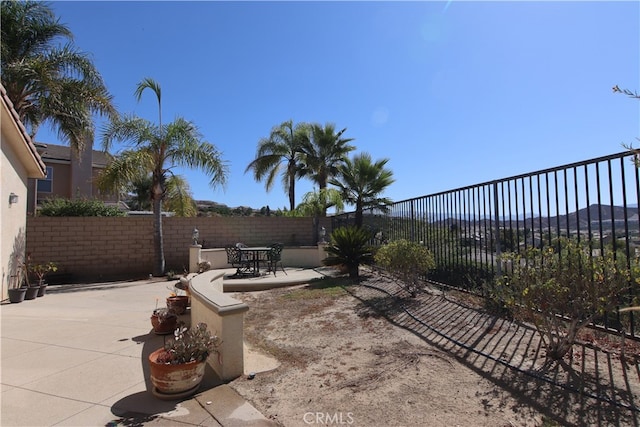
x,y
68,176
20,162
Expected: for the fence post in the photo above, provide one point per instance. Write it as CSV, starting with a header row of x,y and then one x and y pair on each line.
x,y
496,209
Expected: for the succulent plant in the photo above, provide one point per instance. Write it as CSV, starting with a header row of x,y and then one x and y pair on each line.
x,y
190,345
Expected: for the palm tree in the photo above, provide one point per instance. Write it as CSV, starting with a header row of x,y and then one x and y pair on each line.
x,y
361,181
316,203
47,82
280,154
157,149
177,199
324,150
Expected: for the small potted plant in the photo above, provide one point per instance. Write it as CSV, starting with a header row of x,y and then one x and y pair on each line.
x,y
164,321
177,369
177,303
40,271
17,285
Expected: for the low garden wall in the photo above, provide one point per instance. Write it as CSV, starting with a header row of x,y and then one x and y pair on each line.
x,y
292,256
224,316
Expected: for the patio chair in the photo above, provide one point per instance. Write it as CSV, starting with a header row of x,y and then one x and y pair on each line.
x,y
237,260
275,257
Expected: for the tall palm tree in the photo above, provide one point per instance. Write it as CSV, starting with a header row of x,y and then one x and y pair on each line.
x,y
324,150
46,81
157,149
361,181
279,154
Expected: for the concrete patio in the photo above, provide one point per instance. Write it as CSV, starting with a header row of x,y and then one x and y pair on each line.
x,y
78,357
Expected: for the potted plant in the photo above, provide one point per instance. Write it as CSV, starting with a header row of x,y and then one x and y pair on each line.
x,y
177,369
164,321
17,289
177,303
40,271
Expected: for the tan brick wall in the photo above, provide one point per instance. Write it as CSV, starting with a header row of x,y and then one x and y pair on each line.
x,y
93,248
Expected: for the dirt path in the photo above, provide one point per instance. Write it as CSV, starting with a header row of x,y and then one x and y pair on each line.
x,y
365,355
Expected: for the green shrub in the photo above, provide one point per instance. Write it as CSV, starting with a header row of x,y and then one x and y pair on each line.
x,y
406,259
349,246
78,207
561,289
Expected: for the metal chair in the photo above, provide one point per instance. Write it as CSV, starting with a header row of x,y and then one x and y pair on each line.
x,y
235,258
275,256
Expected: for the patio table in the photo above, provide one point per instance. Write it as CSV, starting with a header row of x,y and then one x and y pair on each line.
x,y
258,253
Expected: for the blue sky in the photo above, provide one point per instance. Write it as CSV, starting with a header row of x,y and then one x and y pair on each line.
x,y
452,93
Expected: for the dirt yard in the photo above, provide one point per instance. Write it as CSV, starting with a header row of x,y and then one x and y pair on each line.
x,y
364,354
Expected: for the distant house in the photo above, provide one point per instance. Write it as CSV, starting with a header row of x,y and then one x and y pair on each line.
x,y
67,176
19,162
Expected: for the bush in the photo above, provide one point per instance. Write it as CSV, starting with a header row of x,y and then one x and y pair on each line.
x,y
406,259
561,289
78,207
350,247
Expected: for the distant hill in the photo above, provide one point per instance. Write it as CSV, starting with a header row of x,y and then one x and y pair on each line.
x,y
210,208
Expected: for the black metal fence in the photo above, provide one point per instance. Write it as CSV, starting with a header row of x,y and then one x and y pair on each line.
x,y
468,228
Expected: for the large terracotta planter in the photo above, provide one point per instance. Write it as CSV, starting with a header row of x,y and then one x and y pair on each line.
x,y
182,380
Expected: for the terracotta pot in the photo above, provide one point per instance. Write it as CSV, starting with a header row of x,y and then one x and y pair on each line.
x,y
178,303
165,326
175,379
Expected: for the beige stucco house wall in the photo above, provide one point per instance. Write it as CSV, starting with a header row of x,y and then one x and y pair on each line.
x,y
19,161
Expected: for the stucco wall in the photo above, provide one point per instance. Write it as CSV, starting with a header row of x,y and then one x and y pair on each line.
x,y
12,216
92,248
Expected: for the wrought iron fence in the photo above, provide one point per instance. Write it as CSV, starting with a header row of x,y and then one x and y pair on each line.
x,y
468,228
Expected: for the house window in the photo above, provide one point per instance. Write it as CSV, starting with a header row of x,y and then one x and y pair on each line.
x,y
46,185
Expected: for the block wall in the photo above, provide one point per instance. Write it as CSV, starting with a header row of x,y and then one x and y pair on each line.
x,y
96,248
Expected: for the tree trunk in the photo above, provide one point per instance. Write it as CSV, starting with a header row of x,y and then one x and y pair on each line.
x,y
358,219
158,245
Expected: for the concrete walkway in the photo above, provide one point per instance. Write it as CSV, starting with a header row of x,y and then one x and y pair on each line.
x,y
78,357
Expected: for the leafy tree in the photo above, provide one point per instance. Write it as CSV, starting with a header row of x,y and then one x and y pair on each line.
x,y
407,260
157,149
324,150
46,81
361,181
279,154
561,289
349,246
